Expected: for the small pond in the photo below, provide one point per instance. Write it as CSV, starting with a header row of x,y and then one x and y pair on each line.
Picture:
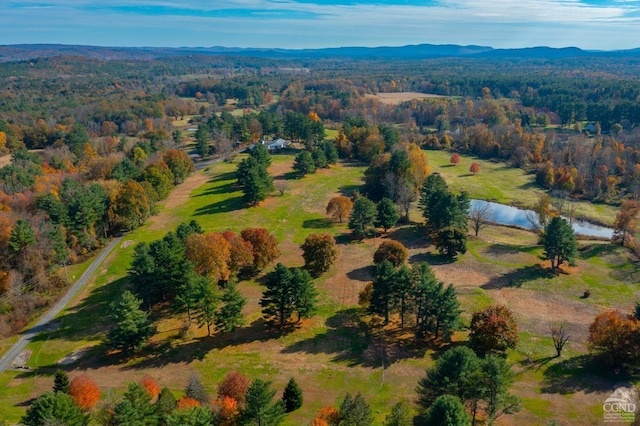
x,y
508,215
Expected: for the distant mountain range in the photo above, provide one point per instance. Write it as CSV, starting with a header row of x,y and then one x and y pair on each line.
x,y
23,52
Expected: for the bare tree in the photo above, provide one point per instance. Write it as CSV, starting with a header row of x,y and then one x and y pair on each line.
x,y
480,214
560,336
559,199
532,218
391,182
281,185
405,195
224,146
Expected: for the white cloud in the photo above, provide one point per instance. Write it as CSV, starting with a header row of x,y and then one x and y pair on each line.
x,y
499,23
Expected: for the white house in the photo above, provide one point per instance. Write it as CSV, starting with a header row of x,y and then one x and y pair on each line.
x,y
277,144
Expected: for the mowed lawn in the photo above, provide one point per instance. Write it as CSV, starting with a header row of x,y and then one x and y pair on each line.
x,y
500,182
334,352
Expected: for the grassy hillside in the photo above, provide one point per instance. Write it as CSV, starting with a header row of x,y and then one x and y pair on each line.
x,y
335,351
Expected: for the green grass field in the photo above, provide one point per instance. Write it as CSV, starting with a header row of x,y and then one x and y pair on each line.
x,y
335,352
502,183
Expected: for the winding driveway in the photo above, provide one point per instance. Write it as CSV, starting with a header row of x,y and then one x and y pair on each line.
x,y
43,322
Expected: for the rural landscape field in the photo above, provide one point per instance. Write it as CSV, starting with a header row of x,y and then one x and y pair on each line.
x,y
262,225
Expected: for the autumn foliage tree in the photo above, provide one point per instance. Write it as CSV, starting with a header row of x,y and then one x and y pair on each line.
x,y
626,223
210,255
319,252
151,386
234,385
614,337
241,252
264,244
474,168
327,416
339,208
455,159
185,402
393,251
493,329
84,391
179,163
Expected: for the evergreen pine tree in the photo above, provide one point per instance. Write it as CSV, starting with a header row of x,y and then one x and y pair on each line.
x,y
229,318
387,214
54,408
362,217
133,328
304,163
400,415
166,402
447,410
355,411
195,390
383,289
259,406
292,396
206,303
278,299
61,382
306,295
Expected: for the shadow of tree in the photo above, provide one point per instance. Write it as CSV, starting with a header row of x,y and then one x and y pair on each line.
x,y
364,274
321,223
348,190
222,189
351,340
412,237
88,320
224,177
223,206
579,374
518,277
431,258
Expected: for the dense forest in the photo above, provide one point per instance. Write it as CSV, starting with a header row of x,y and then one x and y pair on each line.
x,y
105,134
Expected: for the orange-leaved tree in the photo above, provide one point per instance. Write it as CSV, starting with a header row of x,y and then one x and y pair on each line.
x,y
265,246
339,208
151,386
210,255
455,159
626,224
84,391
493,329
241,251
474,168
393,251
329,416
615,338
186,402
227,411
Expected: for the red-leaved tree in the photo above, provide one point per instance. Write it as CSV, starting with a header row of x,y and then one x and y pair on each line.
x,y
493,329
234,385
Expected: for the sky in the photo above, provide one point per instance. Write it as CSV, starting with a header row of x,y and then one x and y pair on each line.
x,y
297,24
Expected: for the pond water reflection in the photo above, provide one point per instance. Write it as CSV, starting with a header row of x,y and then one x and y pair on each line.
x,y
508,215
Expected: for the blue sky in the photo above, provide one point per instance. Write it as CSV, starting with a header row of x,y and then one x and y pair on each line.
x,y
589,24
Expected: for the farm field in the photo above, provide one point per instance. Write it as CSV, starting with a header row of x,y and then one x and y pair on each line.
x,y
334,352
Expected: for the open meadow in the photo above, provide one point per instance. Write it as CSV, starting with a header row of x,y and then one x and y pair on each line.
x,y
336,351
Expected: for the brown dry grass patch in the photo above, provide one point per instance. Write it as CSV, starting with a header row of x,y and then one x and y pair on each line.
x,y
178,196
396,98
